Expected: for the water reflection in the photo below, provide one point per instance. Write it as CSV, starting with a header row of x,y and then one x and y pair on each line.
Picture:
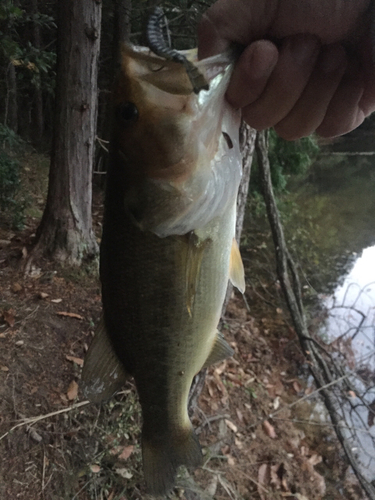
x,y
352,310
349,331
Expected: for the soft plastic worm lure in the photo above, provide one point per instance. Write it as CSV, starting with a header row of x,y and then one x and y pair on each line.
x,y
158,45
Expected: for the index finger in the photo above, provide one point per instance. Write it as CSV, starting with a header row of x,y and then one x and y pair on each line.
x,y
228,21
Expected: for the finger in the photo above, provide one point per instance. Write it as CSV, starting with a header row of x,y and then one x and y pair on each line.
x,y
296,61
240,22
251,73
309,111
367,58
344,113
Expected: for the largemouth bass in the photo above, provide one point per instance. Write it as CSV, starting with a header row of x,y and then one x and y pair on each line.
x,y
167,248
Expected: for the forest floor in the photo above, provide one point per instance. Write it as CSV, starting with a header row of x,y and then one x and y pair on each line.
x,y
260,423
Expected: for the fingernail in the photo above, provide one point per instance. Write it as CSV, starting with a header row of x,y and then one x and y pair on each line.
x,y
304,48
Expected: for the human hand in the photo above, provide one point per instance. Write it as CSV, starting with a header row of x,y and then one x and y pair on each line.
x,y
307,65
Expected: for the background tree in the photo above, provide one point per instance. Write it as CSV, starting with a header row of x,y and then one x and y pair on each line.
x,y
66,228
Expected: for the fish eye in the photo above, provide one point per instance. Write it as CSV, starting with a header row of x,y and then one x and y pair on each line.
x,y
127,112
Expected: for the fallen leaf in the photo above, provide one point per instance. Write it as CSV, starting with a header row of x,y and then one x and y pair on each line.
x,y
212,486
68,314
42,295
269,429
274,476
9,317
34,435
225,450
77,361
35,272
72,391
95,468
297,386
231,425
126,452
125,473
239,415
16,287
263,478
211,387
238,443
315,459
276,403
63,398
56,301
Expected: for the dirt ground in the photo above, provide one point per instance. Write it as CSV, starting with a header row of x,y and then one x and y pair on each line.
x,y
258,442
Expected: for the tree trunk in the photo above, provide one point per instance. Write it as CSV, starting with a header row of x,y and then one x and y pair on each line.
x,y
121,27
121,34
11,107
66,231
37,104
247,145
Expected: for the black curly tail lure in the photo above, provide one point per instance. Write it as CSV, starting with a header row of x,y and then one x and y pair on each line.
x,y
158,45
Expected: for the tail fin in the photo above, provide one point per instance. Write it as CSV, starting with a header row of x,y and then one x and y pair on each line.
x,y
102,373
163,455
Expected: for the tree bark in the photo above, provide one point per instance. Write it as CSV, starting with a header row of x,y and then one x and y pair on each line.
x,y
11,106
66,231
122,27
37,105
247,144
121,34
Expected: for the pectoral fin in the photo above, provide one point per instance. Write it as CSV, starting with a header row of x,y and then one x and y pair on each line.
x,y
236,269
194,256
102,373
220,350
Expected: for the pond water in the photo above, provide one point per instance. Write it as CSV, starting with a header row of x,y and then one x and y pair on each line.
x,y
337,204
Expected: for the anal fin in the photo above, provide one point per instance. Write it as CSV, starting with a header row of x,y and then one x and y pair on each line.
x,y
236,269
220,350
102,373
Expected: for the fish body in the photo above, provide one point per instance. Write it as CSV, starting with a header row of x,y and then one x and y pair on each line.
x,y
166,249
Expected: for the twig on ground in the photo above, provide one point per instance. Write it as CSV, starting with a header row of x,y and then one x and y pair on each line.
x,y
303,398
33,420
